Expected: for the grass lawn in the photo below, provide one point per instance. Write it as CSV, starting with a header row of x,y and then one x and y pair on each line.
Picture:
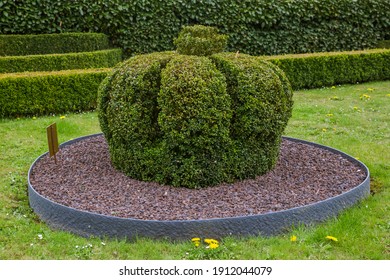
x,y
351,118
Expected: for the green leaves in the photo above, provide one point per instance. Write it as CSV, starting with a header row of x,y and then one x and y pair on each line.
x,y
200,40
254,27
194,121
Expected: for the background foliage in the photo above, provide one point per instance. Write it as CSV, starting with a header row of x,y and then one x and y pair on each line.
x,y
253,26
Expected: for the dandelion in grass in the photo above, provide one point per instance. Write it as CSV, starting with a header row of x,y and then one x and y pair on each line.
x,y
370,89
365,97
329,115
333,87
388,95
62,117
212,243
332,238
196,241
293,238
324,130
34,118
335,98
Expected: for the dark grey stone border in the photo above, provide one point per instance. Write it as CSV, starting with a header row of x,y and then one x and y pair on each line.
x,y
91,224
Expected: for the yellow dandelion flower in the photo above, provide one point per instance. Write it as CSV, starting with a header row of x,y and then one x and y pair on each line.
x,y
293,238
334,98
331,238
211,241
333,87
370,89
213,245
62,117
324,130
329,115
196,241
365,97
388,95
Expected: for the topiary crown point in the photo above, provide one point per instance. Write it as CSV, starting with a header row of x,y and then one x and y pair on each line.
x,y
200,40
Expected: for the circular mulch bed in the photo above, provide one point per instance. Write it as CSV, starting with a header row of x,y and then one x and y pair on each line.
x,y
83,180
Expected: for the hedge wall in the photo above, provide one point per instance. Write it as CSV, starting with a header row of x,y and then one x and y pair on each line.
x,y
326,69
43,93
303,71
57,62
254,26
385,44
52,43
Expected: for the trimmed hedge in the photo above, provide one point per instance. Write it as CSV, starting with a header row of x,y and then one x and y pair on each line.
x,y
43,93
254,27
385,44
17,45
57,62
326,69
303,71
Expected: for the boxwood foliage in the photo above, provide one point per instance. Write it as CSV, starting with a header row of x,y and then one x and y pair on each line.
x,y
200,40
194,121
57,62
254,27
17,45
44,93
326,69
262,104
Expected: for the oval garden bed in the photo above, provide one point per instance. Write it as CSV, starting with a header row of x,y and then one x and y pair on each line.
x,y
85,195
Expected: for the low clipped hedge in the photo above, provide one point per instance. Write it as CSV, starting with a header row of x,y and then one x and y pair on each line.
x,y
43,93
57,62
326,69
303,71
16,45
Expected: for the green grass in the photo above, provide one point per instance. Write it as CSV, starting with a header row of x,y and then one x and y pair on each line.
x,y
343,117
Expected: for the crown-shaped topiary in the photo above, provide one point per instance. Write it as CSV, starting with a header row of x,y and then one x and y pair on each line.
x,y
194,117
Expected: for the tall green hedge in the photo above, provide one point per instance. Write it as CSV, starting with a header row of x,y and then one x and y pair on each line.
x,y
43,93
326,69
57,62
16,45
254,26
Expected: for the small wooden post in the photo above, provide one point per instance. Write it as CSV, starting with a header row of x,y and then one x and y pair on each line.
x,y
52,140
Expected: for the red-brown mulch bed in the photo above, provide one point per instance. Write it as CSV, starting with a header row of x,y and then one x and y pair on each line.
x,y
84,179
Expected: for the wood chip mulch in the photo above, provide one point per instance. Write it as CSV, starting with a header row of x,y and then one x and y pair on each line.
x,y
84,179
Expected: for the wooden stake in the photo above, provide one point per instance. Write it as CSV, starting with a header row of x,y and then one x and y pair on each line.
x,y
52,140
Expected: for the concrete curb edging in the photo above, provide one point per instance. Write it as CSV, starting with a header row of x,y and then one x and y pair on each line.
x,y
89,224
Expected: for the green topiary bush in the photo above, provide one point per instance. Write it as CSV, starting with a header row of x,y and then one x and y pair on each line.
x,y
194,121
